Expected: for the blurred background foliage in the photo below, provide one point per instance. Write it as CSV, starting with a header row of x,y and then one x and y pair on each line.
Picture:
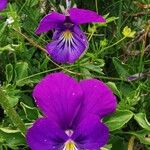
x,y
114,56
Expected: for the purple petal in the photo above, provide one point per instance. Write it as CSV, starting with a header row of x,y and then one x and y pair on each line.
x,y
67,50
98,98
91,133
59,97
45,135
50,21
3,4
81,16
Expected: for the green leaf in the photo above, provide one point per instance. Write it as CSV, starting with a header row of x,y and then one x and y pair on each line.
x,y
121,68
31,113
11,138
142,121
111,19
119,119
6,48
9,72
143,136
12,94
113,86
32,3
7,130
21,72
117,142
94,68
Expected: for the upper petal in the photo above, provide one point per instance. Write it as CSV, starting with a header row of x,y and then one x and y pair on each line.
x,y
45,135
98,98
50,21
90,134
65,49
3,4
59,97
81,16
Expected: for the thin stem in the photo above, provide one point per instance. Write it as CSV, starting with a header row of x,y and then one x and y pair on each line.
x,y
68,4
2,29
96,5
91,35
40,73
131,143
141,58
44,50
12,114
60,67
31,41
112,45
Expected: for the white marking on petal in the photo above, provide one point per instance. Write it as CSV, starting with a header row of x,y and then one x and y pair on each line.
x,y
70,145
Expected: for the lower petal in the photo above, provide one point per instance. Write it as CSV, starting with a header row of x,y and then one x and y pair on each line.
x,y
91,134
65,49
45,135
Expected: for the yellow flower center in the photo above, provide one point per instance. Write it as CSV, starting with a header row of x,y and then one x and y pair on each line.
x,y
70,145
67,34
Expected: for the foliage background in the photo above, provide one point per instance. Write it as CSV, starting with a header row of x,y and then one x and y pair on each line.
x,y
111,57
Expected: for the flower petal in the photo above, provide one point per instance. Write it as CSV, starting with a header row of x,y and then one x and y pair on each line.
x,y
98,98
82,16
3,4
50,21
59,97
91,133
63,50
45,135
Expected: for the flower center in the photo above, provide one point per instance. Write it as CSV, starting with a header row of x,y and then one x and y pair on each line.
x,y
70,145
67,34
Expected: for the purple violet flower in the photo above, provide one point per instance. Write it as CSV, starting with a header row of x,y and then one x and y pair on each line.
x,y
69,41
3,4
72,114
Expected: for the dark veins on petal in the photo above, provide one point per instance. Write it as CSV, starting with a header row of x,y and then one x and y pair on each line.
x,y
69,42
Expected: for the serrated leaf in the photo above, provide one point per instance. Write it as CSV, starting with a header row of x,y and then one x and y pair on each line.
x,y
142,121
119,119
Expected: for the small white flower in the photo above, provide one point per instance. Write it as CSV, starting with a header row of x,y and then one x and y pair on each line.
x,y
10,20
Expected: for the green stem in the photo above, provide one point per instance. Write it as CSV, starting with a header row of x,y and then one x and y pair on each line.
x,y
68,4
96,5
91,35
2,29
12,114
40,73
112,45
33,43
141,58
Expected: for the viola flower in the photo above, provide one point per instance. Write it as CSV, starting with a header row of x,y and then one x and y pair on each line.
x,y
72,114
69,41
3,4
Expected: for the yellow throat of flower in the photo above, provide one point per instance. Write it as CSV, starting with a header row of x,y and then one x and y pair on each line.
x,y
70,145
67,34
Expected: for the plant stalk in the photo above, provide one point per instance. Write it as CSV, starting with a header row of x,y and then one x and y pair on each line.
x,y
11,113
